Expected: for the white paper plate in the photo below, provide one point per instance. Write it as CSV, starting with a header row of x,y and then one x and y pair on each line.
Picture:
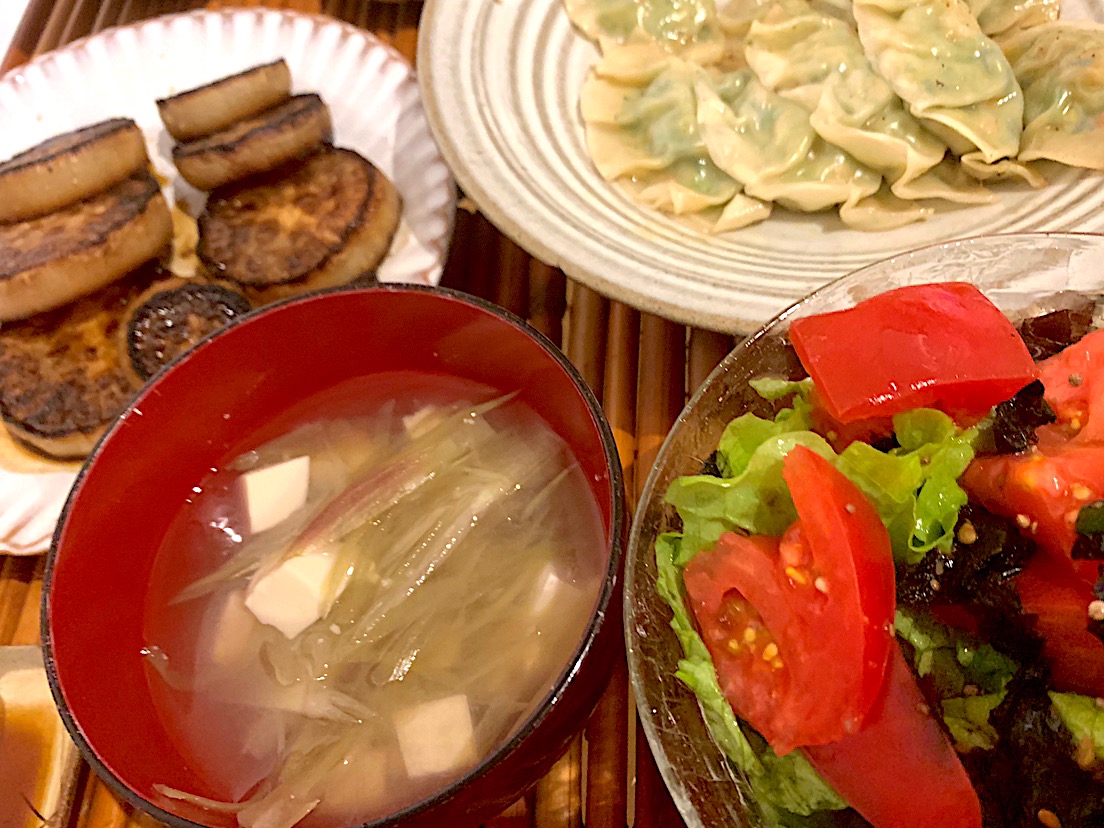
x,y
372,94
501,87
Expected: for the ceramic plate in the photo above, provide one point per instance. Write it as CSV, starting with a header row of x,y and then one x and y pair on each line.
x,y
501,84
369,87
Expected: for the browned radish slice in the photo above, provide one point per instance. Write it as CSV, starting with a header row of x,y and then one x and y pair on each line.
x,y
62,373
321,222
221,104
291,130
48,261
68,168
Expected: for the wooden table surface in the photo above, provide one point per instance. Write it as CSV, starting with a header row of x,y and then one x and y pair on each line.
x,y
640,366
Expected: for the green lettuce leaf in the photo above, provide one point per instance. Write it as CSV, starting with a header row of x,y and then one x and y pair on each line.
x,y
746,433
913,487
787,783
756,500
969,677
1084,718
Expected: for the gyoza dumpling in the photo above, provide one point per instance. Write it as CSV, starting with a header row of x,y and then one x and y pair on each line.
x,y
642,129
1061,68
736,16
674,24
818,61
952,76
766,142
882,211
1002,18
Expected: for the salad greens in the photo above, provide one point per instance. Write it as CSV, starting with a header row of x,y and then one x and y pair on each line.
x,y
788,782
913,486
1084,717
968,676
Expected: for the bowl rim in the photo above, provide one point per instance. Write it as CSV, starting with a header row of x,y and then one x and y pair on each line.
x,y
600,615
645,714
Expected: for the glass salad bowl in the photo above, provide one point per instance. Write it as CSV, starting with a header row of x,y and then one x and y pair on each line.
x,y
1021,273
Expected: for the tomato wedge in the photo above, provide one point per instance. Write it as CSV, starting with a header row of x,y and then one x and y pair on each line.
x,y
1043,489
1074,383
818,491
938,346
799,628
899,770
1058,595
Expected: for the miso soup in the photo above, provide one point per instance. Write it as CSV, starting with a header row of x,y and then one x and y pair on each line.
x,y
354,611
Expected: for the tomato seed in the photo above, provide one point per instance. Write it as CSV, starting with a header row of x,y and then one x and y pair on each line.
x,y
795,575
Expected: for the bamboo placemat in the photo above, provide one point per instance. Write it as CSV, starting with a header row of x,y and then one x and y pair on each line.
x,y
640,366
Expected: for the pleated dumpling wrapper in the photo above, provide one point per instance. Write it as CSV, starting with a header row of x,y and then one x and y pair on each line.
x,y
817,60
1061,68
952,76
1000,19
642,130
689,28
765,142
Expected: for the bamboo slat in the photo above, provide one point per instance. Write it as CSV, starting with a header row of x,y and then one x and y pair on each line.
x,y
660,394
640,366
547,299
707,348
557,800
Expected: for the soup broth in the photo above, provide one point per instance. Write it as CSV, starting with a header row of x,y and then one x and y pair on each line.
x,y
383,599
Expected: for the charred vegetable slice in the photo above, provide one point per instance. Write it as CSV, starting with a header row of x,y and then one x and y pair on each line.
x,y
222,103
318,223
69,168
48,261
171,317
288,131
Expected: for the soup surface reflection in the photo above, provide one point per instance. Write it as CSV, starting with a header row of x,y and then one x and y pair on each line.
x,y
353,611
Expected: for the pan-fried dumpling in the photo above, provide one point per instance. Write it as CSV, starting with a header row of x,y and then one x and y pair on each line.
x,y
951,75
1002,18
644,133
882,211
766,142
1061,68
818,61
672,24
649,134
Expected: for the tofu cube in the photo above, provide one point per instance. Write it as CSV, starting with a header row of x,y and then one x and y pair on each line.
x,y
232,630
292,596
437,737
549,586
275,493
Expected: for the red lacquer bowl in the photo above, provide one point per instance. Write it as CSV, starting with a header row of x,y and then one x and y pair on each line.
x,y
202,408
